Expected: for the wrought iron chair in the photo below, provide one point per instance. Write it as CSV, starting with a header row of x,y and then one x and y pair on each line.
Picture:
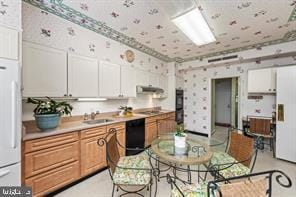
x,y
243,186
128,170
260,128
238,159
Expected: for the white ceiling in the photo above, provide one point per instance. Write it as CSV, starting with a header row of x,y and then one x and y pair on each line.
x,y
235,23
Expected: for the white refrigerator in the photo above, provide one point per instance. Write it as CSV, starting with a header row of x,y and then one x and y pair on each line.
x,y
10,123
286,113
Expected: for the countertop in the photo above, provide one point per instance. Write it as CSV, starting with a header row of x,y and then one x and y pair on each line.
x,y
31,132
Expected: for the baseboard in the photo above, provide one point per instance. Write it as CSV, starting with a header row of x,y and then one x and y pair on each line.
x,y
222,124
197,133
74,183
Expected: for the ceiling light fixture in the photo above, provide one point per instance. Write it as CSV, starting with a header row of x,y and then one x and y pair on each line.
x,y
91,99
195,27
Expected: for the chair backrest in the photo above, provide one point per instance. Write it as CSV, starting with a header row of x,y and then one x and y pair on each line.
x,y
248,188
166,126
260,126
241,147
112,152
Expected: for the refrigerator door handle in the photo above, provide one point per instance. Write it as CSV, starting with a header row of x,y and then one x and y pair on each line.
x,y
14,101
4,173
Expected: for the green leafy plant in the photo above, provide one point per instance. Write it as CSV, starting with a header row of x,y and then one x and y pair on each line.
x,y
180,131
126,109
50,106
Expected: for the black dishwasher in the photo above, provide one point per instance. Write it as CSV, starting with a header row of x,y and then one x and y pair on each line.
x,y
135,136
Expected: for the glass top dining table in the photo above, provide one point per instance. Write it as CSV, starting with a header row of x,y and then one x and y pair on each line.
x,y
198,150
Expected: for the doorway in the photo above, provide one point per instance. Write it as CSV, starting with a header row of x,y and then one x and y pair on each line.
x,y
224,103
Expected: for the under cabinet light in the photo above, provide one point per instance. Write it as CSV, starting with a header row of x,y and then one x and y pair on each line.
x,y
91,99
195,27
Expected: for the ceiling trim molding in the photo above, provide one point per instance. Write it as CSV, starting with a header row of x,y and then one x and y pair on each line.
x,y
58,8
293,15
288,37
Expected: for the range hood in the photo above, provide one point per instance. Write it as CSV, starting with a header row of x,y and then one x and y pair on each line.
x,y
149,89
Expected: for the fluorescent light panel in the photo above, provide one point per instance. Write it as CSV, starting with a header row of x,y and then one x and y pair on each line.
x,y
91,99
194,26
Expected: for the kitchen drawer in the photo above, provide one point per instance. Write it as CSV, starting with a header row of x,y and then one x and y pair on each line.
x,y
117,126
45,160
87,133
151,119
52,180
48,142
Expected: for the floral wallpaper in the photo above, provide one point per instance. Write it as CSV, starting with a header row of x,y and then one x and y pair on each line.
x,y
10,13
50,30
237,25
197,100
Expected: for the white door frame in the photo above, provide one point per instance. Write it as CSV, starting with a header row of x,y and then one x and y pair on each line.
x,y
239,100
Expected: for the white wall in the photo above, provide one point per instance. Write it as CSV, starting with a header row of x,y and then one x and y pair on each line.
x,y
223,101
197,93
88,43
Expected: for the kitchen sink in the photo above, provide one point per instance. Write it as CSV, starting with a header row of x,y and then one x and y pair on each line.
x,y
97,121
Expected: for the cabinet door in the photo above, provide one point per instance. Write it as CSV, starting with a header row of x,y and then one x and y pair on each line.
x,y
163,83
273,79
128,82
153,79
9,43
93,157
150,132
142,78
259,81
83,76
44,71
47,182
121,140
109,79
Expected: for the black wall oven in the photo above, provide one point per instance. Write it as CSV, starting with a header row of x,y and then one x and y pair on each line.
x,y
179,106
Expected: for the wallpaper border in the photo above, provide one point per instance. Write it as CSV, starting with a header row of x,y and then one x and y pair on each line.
x,y
58,8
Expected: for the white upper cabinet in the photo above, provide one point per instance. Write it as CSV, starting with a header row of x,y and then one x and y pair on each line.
x,y
128,82
83,76
164,83
153,79
142,78
9,40
44,71
262,81
109,79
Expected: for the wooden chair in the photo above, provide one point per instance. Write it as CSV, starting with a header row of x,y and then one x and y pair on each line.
x,y
128,170
238,159
251,185
260,127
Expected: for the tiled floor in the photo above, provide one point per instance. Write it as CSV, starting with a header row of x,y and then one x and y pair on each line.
x,y
100,185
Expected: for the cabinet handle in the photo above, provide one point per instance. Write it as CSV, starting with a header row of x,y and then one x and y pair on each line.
x,y
65,94
70,95
269,89
273,89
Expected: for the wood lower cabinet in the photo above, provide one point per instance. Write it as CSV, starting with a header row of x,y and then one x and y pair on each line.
x,y
152,124
121,140
93,157
50,163
150,132
49,181
51,158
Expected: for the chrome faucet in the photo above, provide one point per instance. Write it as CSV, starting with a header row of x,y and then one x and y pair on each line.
x,y
85,116
93,115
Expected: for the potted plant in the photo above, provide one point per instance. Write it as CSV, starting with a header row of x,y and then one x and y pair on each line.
x,y
47,113
180,136
125,111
